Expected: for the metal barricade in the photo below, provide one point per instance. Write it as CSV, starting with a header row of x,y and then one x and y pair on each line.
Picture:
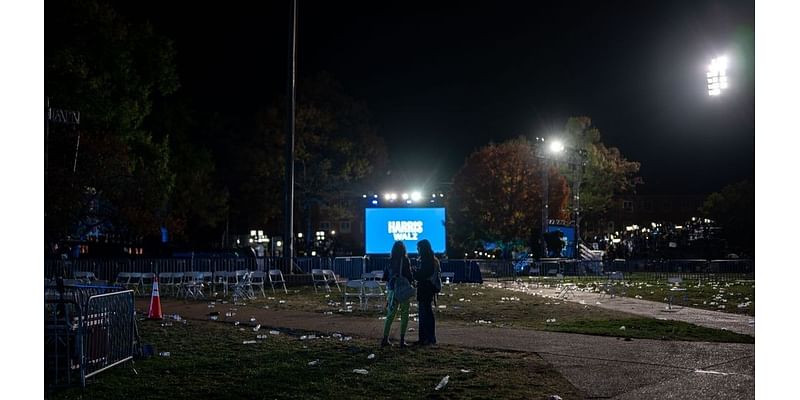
x,y
108,332
88,329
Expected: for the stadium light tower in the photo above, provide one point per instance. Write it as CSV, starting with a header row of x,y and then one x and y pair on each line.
x,y
717,76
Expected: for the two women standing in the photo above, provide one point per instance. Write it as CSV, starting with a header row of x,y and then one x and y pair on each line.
x,y
399,265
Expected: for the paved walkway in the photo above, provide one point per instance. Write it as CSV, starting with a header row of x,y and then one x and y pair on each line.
x,y
600,367
738,323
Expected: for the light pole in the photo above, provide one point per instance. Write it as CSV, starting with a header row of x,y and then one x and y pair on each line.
x,y
576,158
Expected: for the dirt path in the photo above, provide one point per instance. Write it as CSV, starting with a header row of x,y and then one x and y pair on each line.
x,y
601,367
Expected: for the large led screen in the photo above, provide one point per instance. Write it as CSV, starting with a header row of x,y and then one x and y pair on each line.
x,y
386,225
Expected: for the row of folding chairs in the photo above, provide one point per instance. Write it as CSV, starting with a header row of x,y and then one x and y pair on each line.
x,y
324,277
368,287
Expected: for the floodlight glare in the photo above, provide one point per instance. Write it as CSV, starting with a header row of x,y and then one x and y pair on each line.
x,y
405,196
387,196
556,146
393,196
416,196
717,76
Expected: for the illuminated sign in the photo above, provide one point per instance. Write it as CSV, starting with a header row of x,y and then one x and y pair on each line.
x,y
384,226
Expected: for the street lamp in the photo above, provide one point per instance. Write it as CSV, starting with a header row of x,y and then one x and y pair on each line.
x,y
576,158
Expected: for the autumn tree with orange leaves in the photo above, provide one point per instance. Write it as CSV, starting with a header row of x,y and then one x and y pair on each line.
x,y
497,197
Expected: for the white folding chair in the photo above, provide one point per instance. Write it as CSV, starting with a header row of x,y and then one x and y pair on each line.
x,y
146,281
318,278
330,277
165,282
122,279
276,277
372,289
177,283
257,279
564,288
243,288
354,288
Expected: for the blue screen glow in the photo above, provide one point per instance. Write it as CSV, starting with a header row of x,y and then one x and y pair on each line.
x,y
386,225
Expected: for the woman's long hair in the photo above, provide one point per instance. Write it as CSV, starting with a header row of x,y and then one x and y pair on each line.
x,y
425,251
398,254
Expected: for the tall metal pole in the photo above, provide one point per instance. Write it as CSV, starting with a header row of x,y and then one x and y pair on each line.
x,y
288,235
545,203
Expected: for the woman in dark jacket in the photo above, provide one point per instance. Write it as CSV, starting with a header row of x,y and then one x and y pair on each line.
x,y
399,265
428,264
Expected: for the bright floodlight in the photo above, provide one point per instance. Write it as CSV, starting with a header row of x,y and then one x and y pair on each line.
x,y
405,196
717,76
556,146
416,196
387,196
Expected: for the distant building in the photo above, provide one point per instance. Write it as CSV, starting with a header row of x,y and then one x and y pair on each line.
x,y
638,209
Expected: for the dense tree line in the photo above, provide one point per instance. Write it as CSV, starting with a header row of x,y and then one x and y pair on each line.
x,y
148,159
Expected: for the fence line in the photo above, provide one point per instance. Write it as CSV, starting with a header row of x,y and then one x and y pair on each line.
x,y
465,270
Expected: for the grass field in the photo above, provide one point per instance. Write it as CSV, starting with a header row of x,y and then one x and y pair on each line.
x,y
731,296
209,361
495,307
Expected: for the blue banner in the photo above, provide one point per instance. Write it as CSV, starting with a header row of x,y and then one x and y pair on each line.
x,y
384,226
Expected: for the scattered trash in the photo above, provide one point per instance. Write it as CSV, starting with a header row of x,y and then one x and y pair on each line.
x,y
751,322
230,314
622,328
304,337
480,321
411,329
327,296
337,335
551,320
166,324
213,318
261,337
442,307
381,318
236,323
241,329
252,319
554,397
360,371
466,371
700,371
249,342
371,356
347,338
282,302
328,313
312,363
164,354
257,327
442,383
274,333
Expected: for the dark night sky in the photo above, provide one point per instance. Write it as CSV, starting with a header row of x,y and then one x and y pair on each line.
x,y
443,79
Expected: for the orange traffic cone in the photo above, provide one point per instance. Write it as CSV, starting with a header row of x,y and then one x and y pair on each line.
x,y
155,303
